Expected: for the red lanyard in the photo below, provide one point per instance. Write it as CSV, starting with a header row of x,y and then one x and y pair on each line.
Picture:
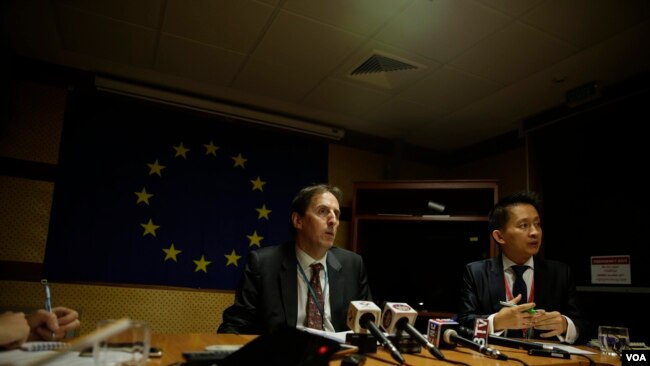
x,y
531,296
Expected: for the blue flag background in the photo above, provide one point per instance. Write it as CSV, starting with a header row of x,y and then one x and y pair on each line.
x,y
152,196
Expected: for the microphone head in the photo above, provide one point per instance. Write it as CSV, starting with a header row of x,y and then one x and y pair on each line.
x,y
359,309
465,332
436,332
393,314
447,335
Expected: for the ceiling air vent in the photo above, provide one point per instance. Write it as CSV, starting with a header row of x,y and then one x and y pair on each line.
x,y
378,63
381,69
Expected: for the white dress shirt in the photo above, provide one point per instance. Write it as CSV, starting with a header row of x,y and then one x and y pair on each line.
x,y
571,332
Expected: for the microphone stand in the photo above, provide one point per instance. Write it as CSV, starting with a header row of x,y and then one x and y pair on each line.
x,y
404,325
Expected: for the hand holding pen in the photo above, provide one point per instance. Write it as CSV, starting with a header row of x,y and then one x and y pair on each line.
x,y
43,324
525,322
512,304
48,301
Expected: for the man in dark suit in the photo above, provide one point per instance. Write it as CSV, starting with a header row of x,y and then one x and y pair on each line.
x,y
548,286
275,288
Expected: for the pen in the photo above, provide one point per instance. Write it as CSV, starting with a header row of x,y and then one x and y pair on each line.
x,y
48,299
509,304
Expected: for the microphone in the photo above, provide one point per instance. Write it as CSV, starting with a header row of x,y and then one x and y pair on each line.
x,y
362,317
400,316
444,333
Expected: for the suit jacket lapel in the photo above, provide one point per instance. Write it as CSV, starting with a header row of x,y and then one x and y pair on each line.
x,y
541,292
289,285
336,284
497,288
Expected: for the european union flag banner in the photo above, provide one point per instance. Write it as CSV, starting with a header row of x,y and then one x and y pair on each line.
x,y
159,197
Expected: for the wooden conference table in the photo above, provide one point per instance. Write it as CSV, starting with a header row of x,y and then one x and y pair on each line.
x,y
173,345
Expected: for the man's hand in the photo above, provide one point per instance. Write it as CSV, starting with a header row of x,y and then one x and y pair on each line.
x,y
552,321
52,326
14,329
516,317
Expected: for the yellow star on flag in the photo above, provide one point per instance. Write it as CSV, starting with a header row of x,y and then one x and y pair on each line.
x,y
255,239
239,161
232,258
149,228
181,151
202,265
211,149
258,184
264,212
171,253
156,168
143,196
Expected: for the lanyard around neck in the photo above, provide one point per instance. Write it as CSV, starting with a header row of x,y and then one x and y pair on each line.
x,y
528,332
531,296
320,306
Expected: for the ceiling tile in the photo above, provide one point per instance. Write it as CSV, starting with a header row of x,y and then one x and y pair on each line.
x,y
342,97
585,22
462,128
513,54
512,7
359,16
295,55
235,25
449,89
401,115
142,12
271,2
29,27
440,30
106,38
209,64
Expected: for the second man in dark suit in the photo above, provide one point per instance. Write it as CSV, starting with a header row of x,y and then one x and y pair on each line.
x,y
515,225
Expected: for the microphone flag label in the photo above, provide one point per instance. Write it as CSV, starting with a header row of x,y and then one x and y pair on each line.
x,y
357,309
436,330
394,312
481,331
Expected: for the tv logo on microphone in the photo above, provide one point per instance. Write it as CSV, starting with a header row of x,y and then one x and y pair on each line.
x,y
481,331
635,357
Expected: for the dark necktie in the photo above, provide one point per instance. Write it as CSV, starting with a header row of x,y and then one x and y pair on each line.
x,y
314,318
519,287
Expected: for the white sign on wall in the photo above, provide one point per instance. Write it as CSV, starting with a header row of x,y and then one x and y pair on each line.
x,y
611,270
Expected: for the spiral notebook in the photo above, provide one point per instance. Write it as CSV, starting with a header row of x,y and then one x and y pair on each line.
x,y
62,350
44,346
